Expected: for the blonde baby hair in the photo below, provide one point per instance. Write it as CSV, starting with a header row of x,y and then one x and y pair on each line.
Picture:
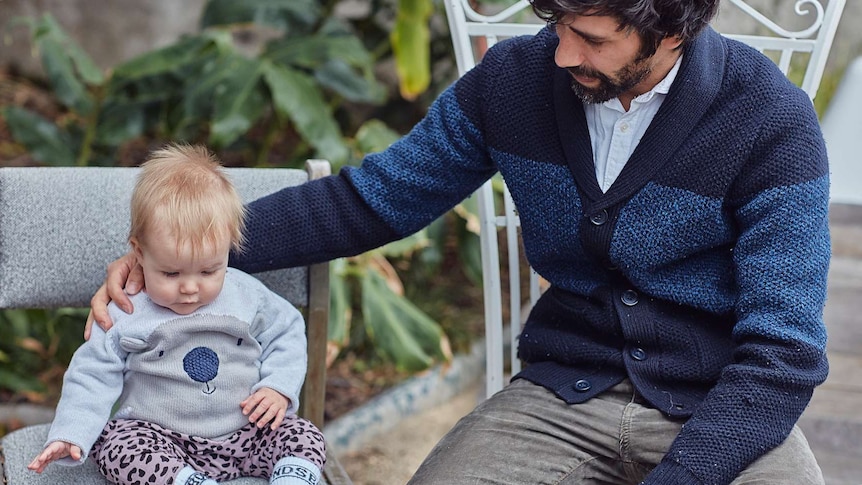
x,y
185,190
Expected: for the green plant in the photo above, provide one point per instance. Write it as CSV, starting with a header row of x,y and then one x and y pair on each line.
x,y
212,87
367,291
208,87
35,347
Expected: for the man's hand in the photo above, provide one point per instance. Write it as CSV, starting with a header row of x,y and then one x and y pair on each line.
x,y
124,273
264,406
53,452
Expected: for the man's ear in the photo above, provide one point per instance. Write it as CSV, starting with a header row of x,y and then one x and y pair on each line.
x,y
671,43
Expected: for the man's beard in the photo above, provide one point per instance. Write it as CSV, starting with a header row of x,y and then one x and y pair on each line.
x,y
628,77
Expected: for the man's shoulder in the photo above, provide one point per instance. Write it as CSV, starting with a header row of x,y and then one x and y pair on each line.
x,y
523,50
751,70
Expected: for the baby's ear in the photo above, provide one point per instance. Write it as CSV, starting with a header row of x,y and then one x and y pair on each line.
x,y
130,344
136,247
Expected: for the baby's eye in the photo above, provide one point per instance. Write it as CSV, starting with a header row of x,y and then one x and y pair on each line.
x,y
170,274
207,273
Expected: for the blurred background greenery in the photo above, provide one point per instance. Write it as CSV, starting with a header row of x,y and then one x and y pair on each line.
x,y
264,83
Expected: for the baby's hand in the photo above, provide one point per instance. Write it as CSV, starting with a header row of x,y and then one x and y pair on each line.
x,y
264,406
54,451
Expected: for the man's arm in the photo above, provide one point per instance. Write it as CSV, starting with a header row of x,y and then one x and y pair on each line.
x,y
781,263
392,195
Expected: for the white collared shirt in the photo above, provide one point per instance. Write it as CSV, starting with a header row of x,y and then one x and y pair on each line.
x,y
615,132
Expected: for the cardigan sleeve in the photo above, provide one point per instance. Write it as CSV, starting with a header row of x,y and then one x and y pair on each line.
x,y
393,193
781,262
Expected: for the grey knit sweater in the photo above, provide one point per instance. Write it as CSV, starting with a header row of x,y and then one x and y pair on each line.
x,y
187,373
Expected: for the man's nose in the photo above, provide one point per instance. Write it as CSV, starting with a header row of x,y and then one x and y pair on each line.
x,y
569,52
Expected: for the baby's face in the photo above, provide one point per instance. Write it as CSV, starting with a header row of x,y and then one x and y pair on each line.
x,y
179,279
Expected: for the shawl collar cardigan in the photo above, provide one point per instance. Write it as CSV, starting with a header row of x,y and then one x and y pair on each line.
x,y
700,275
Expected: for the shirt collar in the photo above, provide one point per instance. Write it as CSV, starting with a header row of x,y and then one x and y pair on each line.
x,y
663,87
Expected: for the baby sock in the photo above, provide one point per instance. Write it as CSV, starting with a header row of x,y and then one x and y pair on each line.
x,y
293,470
189,476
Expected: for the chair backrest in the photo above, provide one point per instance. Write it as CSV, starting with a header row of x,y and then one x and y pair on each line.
x,y
473,32
60,227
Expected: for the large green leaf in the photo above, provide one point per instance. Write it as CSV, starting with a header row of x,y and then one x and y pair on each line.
x,y
42,138
283,14
67,67
341,78
240,99
171,59
196,103
150,89
432,255
340,308
119,122
469,245
68,88
312,51
374,136
297,98
411,44
47,28
407,245
470,254
16,382
398,329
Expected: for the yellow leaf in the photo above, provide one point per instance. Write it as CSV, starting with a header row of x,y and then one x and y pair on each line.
x,y
411,41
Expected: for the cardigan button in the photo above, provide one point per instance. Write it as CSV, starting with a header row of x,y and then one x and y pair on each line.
x,y
629,298
599,218
582,385
637,353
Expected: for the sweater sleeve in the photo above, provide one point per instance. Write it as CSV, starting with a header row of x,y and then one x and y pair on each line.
x,y
280,330
91,386
392,195
310,223
781,262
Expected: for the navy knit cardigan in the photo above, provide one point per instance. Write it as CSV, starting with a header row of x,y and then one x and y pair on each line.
x,y
700,274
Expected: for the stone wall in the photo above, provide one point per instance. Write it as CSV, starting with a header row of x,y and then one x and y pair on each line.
x,y
109,31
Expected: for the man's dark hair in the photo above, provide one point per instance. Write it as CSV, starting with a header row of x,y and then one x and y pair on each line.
x,y
652,19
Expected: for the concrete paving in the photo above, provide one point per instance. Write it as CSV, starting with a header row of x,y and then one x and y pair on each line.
x,y
832,423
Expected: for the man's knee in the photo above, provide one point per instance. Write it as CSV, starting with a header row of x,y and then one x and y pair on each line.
x,y
791,462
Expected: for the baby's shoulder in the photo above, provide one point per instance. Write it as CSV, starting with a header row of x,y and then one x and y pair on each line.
x,y
143,309
246,290
243,282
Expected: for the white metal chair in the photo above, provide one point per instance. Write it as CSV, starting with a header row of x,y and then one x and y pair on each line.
x,y
472,32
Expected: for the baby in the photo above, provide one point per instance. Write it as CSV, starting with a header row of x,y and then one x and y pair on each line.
x,y
205,375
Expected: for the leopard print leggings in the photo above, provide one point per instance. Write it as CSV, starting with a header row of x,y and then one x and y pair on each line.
x,y
132,452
